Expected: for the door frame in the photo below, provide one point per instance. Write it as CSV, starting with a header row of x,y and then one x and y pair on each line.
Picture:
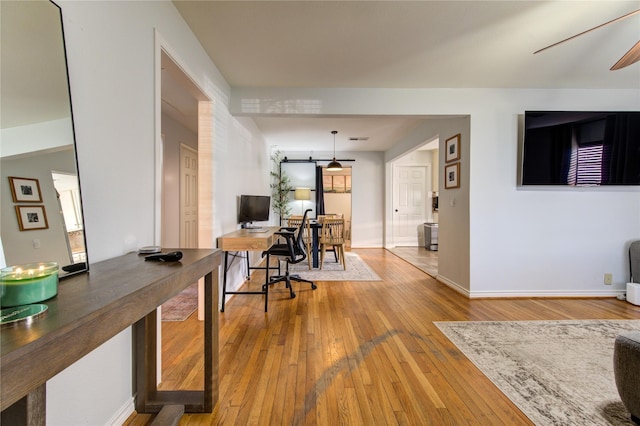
x,y
426,195
205,181
388,239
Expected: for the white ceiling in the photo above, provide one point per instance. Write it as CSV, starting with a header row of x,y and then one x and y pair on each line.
x,y
410,44
407,44
313,134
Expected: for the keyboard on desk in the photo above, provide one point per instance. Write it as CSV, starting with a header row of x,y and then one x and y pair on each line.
x,y
258,230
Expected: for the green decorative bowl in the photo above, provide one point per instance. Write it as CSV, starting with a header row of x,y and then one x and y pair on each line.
x,y
28,283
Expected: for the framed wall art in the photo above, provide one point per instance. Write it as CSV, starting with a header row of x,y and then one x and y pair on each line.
x,y
31,218
452,146
25,190
452,176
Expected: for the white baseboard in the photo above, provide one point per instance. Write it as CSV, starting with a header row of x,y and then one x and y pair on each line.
x,y
123,414
453,285
527,293
559,293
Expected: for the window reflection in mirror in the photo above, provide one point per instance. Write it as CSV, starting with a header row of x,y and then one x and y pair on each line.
x,y
37,139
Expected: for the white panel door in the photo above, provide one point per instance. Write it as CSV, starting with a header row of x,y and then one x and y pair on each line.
x,y
188,197
410,202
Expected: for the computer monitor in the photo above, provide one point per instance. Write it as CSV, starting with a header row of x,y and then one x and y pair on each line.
x,y
253,208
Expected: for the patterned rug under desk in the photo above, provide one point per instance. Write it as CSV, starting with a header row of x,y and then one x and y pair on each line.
x,y
357,270
556,372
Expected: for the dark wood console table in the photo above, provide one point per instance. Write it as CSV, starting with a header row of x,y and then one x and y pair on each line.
x,y
94,307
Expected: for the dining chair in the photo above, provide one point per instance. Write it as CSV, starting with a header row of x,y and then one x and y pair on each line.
x,y
320,220
295,221
332,235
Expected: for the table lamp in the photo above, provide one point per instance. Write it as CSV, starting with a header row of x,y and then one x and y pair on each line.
x,y
302,194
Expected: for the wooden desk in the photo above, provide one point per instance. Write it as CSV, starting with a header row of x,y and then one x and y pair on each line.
x,y
92,308
245,240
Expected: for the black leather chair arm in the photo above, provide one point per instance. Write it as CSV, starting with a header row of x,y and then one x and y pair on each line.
x,y
289,237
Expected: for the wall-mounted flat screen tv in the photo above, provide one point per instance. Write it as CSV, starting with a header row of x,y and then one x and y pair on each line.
x,y
581,148
253,208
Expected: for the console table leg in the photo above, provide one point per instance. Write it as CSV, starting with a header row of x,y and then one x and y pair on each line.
x,y
31,410
151,400
146,361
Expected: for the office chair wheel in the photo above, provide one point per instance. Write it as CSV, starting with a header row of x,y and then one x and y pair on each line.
x,y
313,286
293,295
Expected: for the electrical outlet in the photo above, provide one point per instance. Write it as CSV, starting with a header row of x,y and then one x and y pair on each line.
x,y
608,278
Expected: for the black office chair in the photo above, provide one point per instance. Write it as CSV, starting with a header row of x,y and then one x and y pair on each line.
x,y
293,251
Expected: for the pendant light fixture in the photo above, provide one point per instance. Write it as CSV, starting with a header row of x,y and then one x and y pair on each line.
x,y
334,166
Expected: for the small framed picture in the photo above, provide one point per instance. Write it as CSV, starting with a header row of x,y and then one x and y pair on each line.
x,y
452,176
452,147
31,217
25,190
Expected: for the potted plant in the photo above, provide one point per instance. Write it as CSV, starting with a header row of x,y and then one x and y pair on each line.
x,y
280,188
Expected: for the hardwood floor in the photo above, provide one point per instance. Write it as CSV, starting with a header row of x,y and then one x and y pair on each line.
x,y
356,353
419,257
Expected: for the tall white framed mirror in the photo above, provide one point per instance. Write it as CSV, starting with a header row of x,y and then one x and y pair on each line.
x,y
40,198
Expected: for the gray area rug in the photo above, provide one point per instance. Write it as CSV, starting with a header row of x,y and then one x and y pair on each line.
x,y
181,306
357,270
556,372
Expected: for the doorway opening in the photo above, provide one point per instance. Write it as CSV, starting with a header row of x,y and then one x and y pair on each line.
x,y
182,140
184,181
413,199
336,187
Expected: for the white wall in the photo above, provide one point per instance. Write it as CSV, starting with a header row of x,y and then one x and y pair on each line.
x,y
338,202
521,241
550,241
111,55
242,166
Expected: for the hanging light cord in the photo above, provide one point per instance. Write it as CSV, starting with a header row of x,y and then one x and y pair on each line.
x,y
334,165
334,144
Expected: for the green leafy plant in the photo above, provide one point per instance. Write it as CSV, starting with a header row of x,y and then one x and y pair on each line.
x,y
280,187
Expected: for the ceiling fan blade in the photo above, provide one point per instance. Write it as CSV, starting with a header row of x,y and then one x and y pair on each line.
x,y
631,57
589,30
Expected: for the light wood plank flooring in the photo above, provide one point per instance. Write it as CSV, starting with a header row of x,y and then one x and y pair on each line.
x,y
419,257
356,353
